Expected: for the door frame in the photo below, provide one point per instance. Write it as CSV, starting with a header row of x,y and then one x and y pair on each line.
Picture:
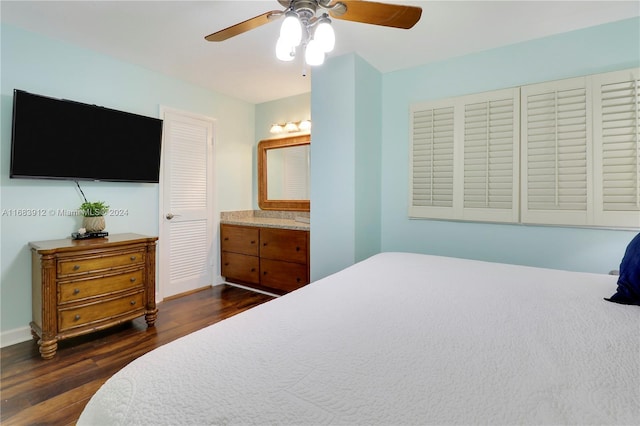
x,y
162,268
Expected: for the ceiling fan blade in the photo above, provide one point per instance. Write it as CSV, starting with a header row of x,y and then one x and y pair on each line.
x,y
385,14
244,26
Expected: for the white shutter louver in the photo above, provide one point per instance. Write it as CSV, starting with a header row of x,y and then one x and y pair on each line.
x,y
556,147
617,148
491,129
621,178
432,158
188,171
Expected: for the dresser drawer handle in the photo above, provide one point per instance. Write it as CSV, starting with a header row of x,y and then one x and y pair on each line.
x,y
253,241
77,317
226,238
132,279
132,258
253,269
133,302
264,244
76,267
76,290
297,248
264,273
298,279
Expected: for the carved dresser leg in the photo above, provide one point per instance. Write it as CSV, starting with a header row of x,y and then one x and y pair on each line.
x,y
150,317
48,348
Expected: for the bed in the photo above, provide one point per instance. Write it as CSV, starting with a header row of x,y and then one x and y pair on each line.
x,y
399,338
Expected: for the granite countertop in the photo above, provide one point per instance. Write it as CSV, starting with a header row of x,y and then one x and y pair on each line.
x,y
268,219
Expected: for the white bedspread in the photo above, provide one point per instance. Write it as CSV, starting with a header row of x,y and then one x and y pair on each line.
x,y
399,339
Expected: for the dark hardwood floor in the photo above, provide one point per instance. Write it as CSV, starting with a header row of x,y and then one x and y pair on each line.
x,y
54,392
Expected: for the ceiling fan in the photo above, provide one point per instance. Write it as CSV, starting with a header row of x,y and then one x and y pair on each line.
x,y
301,26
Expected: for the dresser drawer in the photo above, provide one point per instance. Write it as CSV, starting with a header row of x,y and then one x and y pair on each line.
x,y
77,290
240,267
87,265
286,276
87,314
284,244
239,239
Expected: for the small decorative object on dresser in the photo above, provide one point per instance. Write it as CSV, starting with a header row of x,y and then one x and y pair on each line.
x,y
81,286
93,215
275,259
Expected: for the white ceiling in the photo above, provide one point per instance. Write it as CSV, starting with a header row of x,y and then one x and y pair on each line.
x,y
168,36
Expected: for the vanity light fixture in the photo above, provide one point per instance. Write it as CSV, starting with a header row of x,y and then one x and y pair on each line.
x,y
304,125
276,128
291,126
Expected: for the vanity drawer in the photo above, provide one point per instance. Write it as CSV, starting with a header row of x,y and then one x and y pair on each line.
x,y
240,267
284,244
77,290
286,276
239,239
74,266
86,314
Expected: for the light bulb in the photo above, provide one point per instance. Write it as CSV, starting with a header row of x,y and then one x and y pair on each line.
x,y
314,54
291,30
304,125
290,127
325,36
284,51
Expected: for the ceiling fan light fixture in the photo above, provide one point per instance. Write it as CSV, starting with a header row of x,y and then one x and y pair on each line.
x,y
314,55
325,35
284,51
291,29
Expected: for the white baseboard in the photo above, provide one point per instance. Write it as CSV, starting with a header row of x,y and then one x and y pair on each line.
x,y
17,335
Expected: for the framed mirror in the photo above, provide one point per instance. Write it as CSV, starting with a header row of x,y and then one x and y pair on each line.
x,y
283,173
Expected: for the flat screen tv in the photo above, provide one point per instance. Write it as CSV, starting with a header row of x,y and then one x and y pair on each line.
x,y
61,139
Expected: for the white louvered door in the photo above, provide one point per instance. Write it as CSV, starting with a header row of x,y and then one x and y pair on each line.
x,y
616,108
556,153
186,248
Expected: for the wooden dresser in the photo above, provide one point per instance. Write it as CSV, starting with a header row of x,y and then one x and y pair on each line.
x,y
81,286
274,259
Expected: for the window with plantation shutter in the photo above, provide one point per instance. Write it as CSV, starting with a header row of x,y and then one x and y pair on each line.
x,y
556,153
563,152
617,148
491,156
431,165
464,158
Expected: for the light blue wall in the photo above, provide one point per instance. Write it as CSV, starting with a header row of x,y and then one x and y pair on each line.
x,y
368,166
45,66
345,164
598,49
593,50
333,108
